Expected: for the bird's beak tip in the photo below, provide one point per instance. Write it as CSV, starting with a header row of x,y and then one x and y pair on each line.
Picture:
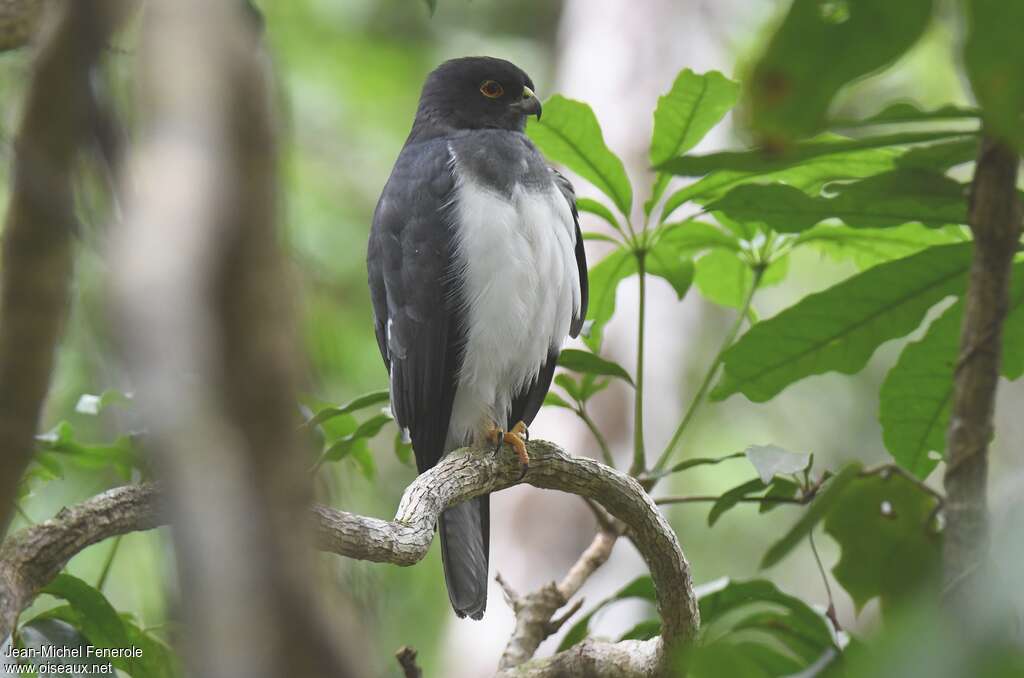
x,y
531,104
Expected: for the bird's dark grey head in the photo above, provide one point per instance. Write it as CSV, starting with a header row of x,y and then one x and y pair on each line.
x,y
475,93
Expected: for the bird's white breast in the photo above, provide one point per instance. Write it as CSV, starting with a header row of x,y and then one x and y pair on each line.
x,y
515,257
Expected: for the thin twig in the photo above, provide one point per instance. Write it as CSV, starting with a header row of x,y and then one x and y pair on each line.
x,y
606,453
662,501
108,562
639,464
831,612
705,385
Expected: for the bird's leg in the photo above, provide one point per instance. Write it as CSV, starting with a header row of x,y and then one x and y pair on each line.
x,y
517,438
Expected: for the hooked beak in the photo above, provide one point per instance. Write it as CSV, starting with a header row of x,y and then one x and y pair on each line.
x,y
530,104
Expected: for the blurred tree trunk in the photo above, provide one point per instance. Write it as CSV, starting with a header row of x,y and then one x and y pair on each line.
x,y
204,311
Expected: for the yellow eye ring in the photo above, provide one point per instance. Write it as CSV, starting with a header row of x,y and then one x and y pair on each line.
x,y
491,89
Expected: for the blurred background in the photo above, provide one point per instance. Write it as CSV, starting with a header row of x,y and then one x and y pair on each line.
x,y
349,79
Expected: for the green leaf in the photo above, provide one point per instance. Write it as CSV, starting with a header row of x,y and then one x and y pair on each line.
x,y
724,278
360,453
772,460
781,489
994,58
809,174
347,445
815,511
604,279
694,105
790,92
570,386
552,399
867,247
642,587
880,201
916,396
96,618
763,162
570,134
360,403
670,256
889,547
697,461
598,209
668,265
645,630
839,329
585,362
907,112
733,497
770,615
942,156
158,659
403,450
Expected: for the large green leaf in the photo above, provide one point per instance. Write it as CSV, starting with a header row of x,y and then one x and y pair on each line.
x,y
791,87
717,610
570,134
889,548
817,510
915,399
808,174
906,112
695,104
604,279
881,201
763,162
867,247
994,57
359,403
840,328
599,210
100,622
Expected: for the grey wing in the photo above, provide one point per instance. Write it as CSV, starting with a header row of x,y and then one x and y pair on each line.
x,y
565,186
415,295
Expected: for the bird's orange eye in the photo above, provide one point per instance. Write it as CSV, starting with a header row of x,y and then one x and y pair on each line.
x,y
491,89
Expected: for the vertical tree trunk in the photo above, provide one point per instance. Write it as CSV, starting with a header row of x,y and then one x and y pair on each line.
x,y
995,219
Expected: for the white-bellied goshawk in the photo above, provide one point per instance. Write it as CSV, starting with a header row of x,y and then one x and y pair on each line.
x,y
477,274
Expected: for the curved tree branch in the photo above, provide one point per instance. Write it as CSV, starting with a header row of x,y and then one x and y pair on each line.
x,y
31,557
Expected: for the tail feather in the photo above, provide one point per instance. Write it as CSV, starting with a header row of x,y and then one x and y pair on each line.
x,y
465,538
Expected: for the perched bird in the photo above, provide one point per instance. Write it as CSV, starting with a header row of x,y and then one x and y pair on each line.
x,y
477,274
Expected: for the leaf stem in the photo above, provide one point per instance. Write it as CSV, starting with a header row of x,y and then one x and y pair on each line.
x,y
24,516
108,563
606,452
800,501
705,385
639,454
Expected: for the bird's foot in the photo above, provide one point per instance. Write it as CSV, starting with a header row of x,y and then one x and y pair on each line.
x,y
517,438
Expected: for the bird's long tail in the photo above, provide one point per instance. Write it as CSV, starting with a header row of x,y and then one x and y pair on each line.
x,y
465,539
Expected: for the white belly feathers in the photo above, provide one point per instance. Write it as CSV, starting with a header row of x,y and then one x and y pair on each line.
x,y
516,258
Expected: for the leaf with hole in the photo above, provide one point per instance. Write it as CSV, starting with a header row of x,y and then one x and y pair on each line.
x,y
890,547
